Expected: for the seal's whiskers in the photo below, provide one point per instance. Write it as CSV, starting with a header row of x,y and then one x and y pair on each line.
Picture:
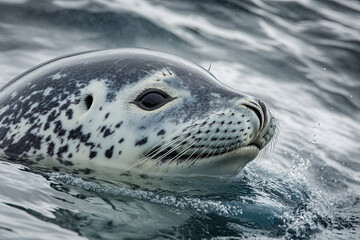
x,y
183,152
173,150
189,158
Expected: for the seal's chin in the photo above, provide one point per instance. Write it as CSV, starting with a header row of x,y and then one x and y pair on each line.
x,y
239,153
226,163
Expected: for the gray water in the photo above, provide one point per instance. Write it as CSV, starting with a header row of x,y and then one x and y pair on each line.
x,y
301,56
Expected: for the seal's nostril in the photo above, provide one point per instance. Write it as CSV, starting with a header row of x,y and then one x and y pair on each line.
x,y
264,110
257,110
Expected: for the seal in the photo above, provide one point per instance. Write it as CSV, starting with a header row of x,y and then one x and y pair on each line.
x,y
114,111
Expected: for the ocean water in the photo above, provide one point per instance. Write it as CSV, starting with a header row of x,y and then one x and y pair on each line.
x,y
301,56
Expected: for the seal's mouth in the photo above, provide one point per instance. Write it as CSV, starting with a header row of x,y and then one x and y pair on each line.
x,y
169,155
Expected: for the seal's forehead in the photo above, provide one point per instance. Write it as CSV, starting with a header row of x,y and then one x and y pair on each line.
x,y
119,68
114,61
117,63
126,66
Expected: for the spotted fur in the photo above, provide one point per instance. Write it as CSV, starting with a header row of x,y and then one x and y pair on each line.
x,y
77,112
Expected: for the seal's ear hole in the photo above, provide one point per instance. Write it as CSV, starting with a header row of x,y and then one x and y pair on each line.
x,y
88,101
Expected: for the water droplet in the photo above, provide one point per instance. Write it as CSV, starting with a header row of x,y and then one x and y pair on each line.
x,y
324,69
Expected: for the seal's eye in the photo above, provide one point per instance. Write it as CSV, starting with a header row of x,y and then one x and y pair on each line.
x,y
152,99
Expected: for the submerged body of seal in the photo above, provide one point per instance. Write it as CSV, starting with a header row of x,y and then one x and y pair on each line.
x,y
130,109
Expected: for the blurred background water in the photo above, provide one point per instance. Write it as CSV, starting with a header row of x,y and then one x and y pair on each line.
x,y
301,56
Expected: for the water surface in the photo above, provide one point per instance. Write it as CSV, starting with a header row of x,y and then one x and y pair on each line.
x,y
301,57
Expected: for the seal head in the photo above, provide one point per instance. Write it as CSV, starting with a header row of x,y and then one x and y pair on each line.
x,y
130,110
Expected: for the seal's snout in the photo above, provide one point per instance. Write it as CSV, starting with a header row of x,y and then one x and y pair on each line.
x,y
267,124
259,109
264,110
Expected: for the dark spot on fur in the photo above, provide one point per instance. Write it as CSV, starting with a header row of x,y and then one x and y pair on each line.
x,y
92,154
52,116
77,134
92,145
144,176
50,149
121,140
69,113
108,132
107,115
58,129
109,152
46,126
119,152
118,125
161,132
62,150
141,142
86,170
66,163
